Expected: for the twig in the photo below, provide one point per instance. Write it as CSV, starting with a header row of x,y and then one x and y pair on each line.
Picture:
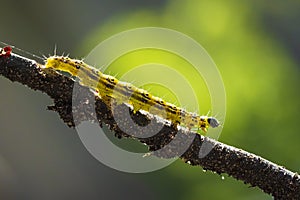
x,y
251,169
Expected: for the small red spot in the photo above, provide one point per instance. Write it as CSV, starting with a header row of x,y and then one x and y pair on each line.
x,y
6,51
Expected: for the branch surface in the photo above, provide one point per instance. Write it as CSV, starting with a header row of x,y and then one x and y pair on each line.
x,y
169,142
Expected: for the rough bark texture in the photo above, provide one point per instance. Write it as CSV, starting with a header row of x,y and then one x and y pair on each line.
x,y
169,142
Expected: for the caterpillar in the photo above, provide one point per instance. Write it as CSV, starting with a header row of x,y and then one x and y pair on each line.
x,y
109,88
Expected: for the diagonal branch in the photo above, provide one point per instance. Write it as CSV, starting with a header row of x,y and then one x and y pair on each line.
x,y
202,151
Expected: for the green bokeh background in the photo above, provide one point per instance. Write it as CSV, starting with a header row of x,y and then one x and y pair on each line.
x,y
255,45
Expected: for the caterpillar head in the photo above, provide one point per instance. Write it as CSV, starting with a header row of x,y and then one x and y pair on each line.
x,y
206,122
213,122
65,64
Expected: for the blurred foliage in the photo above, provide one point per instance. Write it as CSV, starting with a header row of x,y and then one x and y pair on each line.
x,y
260,78
255,45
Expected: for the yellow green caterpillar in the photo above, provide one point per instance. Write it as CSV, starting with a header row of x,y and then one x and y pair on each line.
x,y
109,88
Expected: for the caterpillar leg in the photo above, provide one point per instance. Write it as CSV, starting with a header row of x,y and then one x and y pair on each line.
x,y
204,129
136,107
175,124
108,100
